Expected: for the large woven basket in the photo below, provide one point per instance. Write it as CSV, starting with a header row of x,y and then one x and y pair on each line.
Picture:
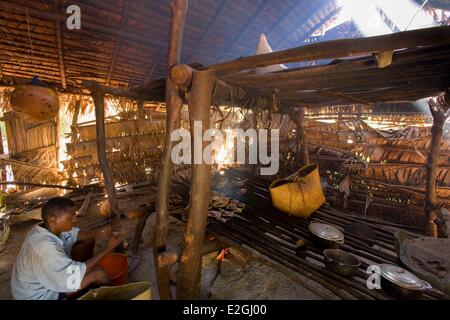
x,y
299,194
130,291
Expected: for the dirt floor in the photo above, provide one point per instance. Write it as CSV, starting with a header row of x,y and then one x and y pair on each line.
x,y
239,276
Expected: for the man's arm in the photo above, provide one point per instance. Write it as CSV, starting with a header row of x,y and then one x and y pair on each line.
x,y
113,243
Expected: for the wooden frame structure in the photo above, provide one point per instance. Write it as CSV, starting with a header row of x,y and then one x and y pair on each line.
x,y
417,67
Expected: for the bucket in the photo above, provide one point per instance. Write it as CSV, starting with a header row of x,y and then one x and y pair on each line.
x,y
116,266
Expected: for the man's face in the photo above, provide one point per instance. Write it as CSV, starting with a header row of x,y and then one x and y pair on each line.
x,y
65,221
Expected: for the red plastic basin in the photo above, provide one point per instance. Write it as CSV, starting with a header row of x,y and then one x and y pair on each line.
x,y
116,266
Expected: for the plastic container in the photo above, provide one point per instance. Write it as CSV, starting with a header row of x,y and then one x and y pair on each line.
x,y
116,266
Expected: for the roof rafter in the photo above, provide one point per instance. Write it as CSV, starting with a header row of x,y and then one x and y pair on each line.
x,y
319,25
207,29
118,44
60,46
314,28
153,66
243,31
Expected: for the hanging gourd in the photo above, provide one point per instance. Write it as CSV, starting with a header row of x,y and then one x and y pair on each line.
x,y
35,101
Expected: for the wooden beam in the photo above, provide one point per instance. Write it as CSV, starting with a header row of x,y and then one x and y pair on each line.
x,y
118,92
340,48
224,93
118,43
31,184
173,109
99,100
189,272
60,46
440,112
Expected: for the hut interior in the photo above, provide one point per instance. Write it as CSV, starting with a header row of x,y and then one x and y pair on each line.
x,y
233,144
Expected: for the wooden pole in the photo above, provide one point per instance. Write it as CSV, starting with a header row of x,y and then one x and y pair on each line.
x,y
99,101
59,45
140,110
302,146
340,48
440,113
255,126
302,153
74,126
173,107
74,136
189,274
182,74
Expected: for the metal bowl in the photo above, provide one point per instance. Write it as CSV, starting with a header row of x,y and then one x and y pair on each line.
x,y
341,262
326,235
401,283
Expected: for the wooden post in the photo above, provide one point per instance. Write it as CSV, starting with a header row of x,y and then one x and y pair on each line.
x,y
189,271
440,113
74,135
76,114
255,126
99,101
302,154
140,110
173,107
2,150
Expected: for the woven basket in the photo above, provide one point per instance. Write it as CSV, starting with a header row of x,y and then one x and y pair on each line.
x,y
299,194
131,291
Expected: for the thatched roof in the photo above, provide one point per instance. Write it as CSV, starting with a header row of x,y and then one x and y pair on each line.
x,y
125,42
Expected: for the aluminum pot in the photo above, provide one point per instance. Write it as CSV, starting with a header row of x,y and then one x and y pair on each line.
x,y
326,235
341,262
401,283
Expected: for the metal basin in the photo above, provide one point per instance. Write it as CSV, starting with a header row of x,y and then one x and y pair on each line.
x,y
341,262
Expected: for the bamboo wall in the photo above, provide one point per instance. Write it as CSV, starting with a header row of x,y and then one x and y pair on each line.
x,y
33,147
133,149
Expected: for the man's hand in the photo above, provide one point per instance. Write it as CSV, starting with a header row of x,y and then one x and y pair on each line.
x,y
115,240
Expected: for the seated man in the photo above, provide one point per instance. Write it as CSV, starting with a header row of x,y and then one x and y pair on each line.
x,y
57,259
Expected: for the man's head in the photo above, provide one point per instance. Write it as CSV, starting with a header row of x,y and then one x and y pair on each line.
x,y
58,214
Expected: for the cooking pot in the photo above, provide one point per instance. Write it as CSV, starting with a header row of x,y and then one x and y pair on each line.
x,y
341,262
401,283
326,235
